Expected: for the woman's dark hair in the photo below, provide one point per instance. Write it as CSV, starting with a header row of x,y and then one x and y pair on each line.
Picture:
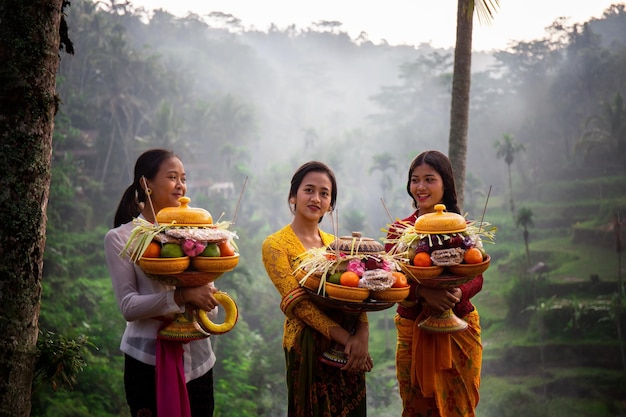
x,y
440,163
313,166
147,165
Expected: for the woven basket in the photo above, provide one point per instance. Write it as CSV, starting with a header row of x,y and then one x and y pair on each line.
x,y
312,282
164,266
343,293
215,263
356,244
421,272
393,295
470,269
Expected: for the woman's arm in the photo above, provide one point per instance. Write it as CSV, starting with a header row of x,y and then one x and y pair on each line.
x,y
277,264
278,267
137,296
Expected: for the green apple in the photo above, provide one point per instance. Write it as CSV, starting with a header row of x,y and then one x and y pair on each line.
x,y
335,278
211,250
172,250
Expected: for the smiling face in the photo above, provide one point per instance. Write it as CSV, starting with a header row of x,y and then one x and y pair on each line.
x,y
313,197
168,185
426,186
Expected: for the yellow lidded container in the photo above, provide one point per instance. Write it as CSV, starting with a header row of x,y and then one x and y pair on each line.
x,y
184,215
440,222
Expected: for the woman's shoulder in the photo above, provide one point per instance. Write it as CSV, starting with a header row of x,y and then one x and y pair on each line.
x,y
407,220
279,237
125,228
286,230
327,238
411,219
119,235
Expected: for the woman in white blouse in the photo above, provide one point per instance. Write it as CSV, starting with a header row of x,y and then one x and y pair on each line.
x,y
185,369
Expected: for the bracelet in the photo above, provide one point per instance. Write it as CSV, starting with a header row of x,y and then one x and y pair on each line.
x,y
290,300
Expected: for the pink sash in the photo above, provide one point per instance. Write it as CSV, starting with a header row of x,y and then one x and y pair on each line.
x,y
171,388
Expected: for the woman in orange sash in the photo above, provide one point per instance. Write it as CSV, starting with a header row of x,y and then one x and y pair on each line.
x,y
438,373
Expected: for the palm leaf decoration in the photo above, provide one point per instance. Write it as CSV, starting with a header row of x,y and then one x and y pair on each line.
x,y
141,236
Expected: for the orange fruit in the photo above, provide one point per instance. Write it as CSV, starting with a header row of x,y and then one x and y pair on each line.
x,y
473,256
349,279
401,281
422,259
226,249
153,250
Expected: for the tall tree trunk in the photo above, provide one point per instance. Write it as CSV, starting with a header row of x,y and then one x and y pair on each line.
x,y
526,238
29,52
459,109
511,192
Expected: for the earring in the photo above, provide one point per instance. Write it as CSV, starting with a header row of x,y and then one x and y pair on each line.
x,y
148,191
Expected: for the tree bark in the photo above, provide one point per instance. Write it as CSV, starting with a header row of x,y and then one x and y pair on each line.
x,y
459,109
29,52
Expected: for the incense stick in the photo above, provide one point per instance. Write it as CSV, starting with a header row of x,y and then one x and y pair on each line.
x,y
336,231
382,200
243,187
484,210
145,183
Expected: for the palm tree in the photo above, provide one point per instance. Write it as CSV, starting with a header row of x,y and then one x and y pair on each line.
x,y
525,220
353,220
384,162
606,130
507,148
459,109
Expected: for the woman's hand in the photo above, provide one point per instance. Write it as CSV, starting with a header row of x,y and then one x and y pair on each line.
x,y
356,349
201,296
440,299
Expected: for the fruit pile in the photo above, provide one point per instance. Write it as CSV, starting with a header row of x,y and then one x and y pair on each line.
x,y
188,247
370,272
446,250
181,234
444,240
352,268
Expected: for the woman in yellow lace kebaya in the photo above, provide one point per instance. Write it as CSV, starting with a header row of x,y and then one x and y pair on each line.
x,y
438,373
314,389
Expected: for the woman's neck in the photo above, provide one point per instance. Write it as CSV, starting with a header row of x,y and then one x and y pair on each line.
x,y
149,213
421,212
307,232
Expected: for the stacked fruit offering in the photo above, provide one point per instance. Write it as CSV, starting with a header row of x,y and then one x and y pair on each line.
x,y
353,268
183,239
441,243
441,250
184,249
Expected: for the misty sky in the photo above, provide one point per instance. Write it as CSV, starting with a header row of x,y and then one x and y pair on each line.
x,y
397,21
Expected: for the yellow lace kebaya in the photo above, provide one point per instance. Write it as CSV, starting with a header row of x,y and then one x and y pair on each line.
x,y
280,257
